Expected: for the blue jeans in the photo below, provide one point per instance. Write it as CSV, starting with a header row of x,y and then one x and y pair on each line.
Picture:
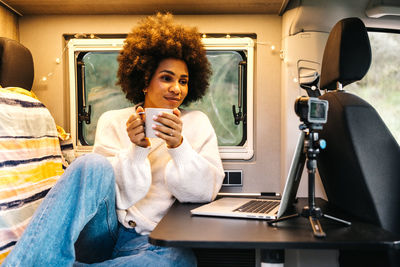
x,y
77,222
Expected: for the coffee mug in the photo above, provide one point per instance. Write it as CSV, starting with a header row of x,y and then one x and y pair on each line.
x,y
150,113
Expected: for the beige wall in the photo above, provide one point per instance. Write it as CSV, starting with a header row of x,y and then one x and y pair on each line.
x,y
8,24
43,36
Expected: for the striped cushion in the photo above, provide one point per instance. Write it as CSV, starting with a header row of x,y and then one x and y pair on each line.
x,y
30,162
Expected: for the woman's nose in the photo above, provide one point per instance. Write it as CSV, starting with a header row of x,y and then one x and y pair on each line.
x,y
175,88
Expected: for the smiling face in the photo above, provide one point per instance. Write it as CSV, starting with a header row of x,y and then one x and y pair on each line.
x,y
169,85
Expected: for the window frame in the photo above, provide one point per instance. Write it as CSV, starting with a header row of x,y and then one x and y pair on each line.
x,y
76,46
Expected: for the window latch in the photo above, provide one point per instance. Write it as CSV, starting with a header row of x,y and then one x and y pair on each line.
x,y
85,116
239,116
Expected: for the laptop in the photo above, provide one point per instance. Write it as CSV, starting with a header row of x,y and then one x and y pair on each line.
x,y
260,207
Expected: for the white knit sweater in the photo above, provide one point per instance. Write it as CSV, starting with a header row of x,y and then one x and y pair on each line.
x,y
149,179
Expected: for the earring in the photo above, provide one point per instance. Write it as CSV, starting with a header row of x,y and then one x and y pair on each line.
x,y
144,91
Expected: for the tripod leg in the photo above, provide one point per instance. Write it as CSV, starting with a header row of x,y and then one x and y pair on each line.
x,y
316,226
337,219
285,218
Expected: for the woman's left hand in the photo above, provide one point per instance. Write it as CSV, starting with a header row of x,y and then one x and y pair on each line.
x,y
171,128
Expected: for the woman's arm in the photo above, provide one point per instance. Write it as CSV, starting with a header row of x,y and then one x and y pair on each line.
x,y
131,166
195,173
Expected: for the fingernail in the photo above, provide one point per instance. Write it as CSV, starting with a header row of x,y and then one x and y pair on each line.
x,y
153,126
155,117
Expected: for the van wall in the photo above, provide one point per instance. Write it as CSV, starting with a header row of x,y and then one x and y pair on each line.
x,y
43,36
8,24
301,33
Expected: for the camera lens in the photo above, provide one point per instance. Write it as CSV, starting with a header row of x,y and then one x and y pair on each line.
x,y
301,107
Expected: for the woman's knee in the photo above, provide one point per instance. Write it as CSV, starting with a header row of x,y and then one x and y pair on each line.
x,y
92,168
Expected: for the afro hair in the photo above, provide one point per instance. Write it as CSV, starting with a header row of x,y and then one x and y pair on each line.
x,y
157,38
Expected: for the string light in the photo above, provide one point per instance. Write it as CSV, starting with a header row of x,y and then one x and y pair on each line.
x,y
57,60
271,46
86,36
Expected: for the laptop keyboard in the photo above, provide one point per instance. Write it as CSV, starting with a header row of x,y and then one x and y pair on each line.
x,y
258,206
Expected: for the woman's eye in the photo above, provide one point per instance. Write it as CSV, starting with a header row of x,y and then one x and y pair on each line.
x,y
183,82
166,78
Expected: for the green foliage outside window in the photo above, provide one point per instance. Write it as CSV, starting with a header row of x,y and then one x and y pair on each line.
x,y
381,86
221,95
101,92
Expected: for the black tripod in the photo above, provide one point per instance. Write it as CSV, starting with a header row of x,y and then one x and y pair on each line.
x,y
312,212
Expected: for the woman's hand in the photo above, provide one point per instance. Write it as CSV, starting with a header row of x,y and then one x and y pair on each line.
x,y
171,128
135,128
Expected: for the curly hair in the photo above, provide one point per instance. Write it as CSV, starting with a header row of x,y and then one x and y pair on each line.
x,y
157,38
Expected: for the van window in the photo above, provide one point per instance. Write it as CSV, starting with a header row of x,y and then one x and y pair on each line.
x,y
95,91
222,94
380,86
98,71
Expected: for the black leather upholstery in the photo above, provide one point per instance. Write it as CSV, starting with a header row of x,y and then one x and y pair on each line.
x,y
360,167
16,64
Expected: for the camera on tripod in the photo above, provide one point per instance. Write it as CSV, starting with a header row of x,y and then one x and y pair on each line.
x,y
313,113
311,110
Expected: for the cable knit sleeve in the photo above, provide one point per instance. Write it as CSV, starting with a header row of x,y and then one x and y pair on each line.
x,y
131,166
195,173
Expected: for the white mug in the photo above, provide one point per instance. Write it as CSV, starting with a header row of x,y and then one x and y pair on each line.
x,y
150,113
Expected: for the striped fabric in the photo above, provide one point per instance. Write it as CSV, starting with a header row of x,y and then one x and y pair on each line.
x,y
30,161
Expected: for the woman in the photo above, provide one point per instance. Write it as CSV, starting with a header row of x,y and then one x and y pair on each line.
x,y
162,65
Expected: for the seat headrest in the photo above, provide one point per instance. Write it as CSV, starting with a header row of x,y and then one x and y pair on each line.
x,y
16,64
347,55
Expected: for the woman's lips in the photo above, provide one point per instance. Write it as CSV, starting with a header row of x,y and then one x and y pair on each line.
x,y
174,99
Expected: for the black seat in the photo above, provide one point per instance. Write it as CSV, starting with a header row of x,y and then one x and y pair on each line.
x,y
16,64
360,168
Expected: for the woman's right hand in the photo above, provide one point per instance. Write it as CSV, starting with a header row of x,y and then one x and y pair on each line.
x,y
135,128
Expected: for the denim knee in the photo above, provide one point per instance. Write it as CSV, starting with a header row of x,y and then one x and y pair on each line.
x,y
94,166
